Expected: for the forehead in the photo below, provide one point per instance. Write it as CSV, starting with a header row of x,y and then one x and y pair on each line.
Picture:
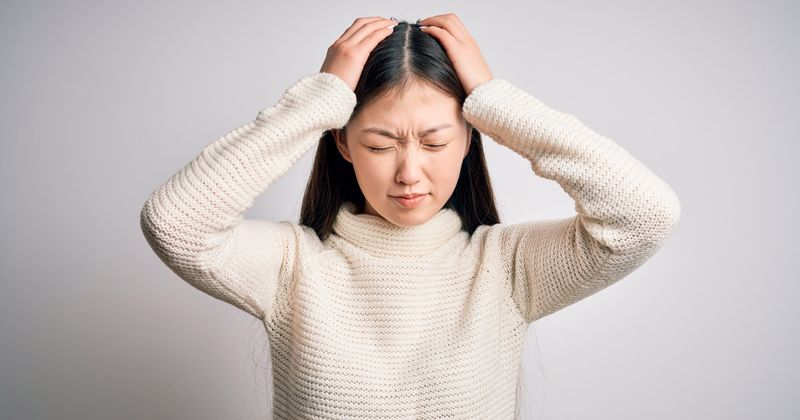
x,y
417,101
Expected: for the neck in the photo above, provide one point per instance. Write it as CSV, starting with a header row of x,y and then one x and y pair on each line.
x,y
382,238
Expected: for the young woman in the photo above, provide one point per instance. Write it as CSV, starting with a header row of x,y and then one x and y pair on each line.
x,y
382,305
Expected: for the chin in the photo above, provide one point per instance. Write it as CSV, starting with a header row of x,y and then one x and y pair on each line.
x,y
410,217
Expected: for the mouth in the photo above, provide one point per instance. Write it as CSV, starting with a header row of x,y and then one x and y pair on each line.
x,y
407,195
411,201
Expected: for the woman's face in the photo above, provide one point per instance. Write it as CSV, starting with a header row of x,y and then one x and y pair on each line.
x,y
410,144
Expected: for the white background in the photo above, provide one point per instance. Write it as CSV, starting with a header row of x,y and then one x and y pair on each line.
x,y
102,101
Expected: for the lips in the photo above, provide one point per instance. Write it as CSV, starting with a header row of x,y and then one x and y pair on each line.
x,y
411,202
407,195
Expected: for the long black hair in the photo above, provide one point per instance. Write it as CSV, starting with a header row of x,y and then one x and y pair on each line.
x,y
405,56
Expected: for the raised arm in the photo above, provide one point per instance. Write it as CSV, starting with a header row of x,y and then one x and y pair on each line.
x,y
625,211
194,222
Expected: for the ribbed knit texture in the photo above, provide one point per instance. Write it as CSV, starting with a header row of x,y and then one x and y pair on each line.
x,y
381,321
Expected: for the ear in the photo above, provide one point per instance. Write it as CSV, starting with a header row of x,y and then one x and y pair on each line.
x,y
340,137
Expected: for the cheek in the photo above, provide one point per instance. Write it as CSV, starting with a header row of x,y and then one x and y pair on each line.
x,y
372,173
448,165
368,164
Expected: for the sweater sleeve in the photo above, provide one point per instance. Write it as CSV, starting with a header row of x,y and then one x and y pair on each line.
x,y
625,212
195,221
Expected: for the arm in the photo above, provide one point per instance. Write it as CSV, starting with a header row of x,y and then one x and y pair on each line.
x,y
194,221
625,211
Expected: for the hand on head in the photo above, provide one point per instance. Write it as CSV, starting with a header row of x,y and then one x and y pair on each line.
x,y
461,48
348,54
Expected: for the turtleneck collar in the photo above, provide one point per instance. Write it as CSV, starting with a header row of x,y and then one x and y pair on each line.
x,y
382,238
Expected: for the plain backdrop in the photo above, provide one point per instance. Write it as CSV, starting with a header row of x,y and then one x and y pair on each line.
x,y
102,101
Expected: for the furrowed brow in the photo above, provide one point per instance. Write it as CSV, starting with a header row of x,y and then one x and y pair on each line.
x,y
387,133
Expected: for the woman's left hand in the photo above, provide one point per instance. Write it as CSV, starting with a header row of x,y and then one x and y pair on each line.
x,y
460,47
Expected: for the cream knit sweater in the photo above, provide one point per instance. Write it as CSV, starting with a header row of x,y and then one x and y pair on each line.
x,y
380,321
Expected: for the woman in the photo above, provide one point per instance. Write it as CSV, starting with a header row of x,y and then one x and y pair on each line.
x,y
379,305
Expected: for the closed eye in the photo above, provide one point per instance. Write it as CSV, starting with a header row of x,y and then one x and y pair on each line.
x,y
378,149
383,149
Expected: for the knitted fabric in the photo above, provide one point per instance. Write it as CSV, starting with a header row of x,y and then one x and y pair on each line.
x,y
381,321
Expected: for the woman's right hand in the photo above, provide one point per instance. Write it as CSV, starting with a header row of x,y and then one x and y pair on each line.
x,y
348,54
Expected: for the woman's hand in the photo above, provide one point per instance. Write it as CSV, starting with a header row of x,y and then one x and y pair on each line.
x,y
348,54
461,48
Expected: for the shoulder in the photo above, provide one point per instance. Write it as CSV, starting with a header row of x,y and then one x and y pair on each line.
x,y
506,240
304,237
487,235
484,243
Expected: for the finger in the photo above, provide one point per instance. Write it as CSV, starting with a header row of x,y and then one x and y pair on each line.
x,y
457,21
371,40
369,28
449,42
356,25
449,22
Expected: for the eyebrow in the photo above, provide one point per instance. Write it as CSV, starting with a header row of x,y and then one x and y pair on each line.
x,y
387,133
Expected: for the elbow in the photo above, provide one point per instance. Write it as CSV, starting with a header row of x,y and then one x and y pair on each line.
x,y
170,246
150,228
646,229
155,227
671,212
147,221
662,222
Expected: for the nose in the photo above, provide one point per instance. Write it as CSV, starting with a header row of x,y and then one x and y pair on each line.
x,y
408,171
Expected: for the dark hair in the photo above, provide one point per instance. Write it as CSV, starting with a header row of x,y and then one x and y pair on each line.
x,y
407,55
